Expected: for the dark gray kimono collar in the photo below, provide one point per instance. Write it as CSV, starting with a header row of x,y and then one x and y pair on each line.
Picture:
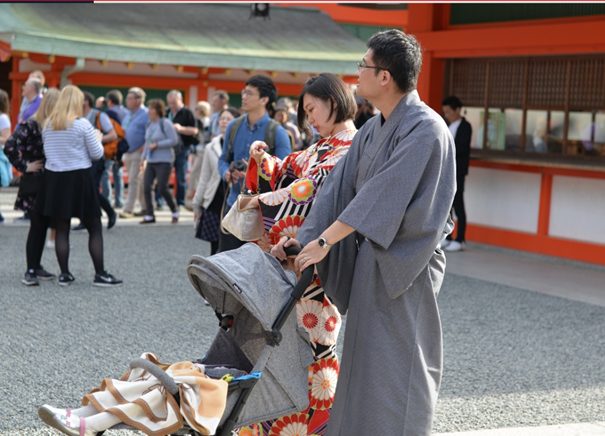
x,y
381,130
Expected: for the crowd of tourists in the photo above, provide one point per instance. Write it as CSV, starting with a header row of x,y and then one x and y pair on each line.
x,y
366,198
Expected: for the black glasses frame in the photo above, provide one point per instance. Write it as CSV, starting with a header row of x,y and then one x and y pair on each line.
x,y
362,64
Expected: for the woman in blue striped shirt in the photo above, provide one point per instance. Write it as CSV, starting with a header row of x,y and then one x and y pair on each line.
x,y
70,146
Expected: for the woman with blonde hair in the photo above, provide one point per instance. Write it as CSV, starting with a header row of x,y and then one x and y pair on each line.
x,y
70,146
25,151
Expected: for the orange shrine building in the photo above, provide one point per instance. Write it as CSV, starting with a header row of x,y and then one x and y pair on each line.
x,y
531,76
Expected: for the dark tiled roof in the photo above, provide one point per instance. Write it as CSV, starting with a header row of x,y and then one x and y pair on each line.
x,y
293,39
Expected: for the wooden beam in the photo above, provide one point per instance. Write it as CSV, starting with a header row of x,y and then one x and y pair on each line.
x,y
15,91
126,80
537,39
351,14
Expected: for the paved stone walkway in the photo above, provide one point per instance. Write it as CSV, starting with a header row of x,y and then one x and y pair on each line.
x,y
523,335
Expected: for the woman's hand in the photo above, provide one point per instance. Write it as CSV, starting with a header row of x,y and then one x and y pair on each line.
x,y
278,249
236,175
197,214
257,151
34,167
253,203
153,146
312,254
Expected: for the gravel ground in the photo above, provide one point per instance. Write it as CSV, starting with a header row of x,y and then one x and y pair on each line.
x,y
512,357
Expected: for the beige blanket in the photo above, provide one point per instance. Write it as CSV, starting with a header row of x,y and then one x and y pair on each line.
x,y
139,400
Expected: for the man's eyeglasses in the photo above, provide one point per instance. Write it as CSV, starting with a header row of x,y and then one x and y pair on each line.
x,y
363,64
248,93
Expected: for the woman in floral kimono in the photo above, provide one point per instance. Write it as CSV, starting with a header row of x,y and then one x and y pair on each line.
x,y
287,191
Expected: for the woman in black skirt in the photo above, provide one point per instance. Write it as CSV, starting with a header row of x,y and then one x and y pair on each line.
x,y
25,151
70,146
210,193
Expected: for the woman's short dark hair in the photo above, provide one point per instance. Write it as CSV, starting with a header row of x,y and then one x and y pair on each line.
x,y
332,90
233,111
399,54
90,99
266,88
158,106
4,102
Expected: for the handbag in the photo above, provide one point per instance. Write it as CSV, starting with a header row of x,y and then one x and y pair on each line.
x,y
243,221
30,184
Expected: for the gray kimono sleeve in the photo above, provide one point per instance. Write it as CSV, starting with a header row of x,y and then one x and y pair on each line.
x,y
378,209
405,217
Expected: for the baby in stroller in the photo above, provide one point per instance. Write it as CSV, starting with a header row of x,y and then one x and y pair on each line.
x,y
135,400
255,369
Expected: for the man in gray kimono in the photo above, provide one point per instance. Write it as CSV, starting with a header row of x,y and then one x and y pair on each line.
x,y
373,235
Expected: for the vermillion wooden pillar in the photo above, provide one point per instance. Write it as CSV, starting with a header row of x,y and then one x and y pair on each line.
x,y
15,90
424,18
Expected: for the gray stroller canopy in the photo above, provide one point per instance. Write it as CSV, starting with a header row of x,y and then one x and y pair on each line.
x,y
252,286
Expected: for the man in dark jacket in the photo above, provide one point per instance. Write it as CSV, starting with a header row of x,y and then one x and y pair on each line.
x,y
186,126
462,132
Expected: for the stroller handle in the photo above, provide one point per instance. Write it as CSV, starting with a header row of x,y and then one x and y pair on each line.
x,y
306,276
157,372
303,283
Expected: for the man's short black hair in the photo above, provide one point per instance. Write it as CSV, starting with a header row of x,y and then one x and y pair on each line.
x,y
452,101
399,54
90,99
266,88
115,97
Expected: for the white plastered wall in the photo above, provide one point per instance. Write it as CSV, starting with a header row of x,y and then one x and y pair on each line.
x,y
502,199
578,209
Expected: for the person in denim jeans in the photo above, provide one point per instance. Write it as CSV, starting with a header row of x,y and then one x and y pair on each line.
x,y
157,157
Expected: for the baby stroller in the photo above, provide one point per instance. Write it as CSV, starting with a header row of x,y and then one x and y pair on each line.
x,y
253,298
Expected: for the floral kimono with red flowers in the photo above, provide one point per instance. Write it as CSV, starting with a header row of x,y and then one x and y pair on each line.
x,y
288,189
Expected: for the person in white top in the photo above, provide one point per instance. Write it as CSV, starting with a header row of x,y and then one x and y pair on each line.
x,y
70,146
210,191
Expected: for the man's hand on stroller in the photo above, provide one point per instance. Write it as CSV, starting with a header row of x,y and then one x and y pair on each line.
x,y
312,254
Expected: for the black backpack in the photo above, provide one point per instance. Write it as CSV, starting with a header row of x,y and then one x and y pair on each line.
x,y
122,143
270,131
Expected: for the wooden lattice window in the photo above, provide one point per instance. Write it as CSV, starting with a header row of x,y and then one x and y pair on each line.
x,y
467,78
587,87
506,83
546,82
555,86
546,87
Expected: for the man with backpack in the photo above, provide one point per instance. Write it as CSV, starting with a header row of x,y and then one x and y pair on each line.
x,y
103,123
258,99
116,112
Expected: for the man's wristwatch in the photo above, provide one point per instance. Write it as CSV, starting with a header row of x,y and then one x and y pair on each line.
x,y
323,243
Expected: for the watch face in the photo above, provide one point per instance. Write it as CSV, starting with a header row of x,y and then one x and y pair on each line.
x,y
322,242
